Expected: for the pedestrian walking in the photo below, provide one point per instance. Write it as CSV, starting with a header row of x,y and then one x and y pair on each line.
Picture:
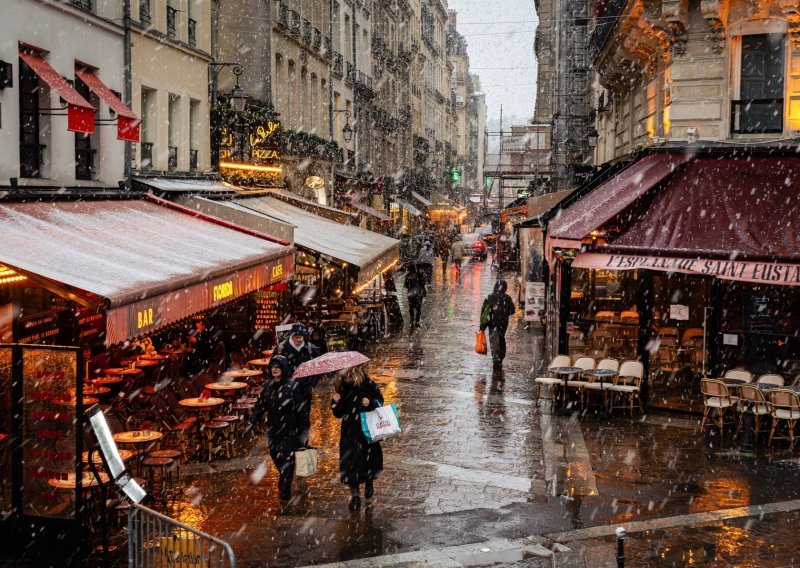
x,y
359,461
443,249
416,292
425,260
457,252
297,349
282,400
501,308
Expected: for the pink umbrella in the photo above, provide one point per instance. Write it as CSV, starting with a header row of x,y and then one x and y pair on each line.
x,y
330,362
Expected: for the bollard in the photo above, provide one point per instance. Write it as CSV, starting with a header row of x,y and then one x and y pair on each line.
x,y
620,547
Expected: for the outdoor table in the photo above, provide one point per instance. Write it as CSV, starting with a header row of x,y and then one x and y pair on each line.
x,y
769,387
178,351
152,357
122,371
87,401
267,353
243,373
87,480
97,458
137,437
260,362
605,375
564,373
142,362
95,390
106,380
226,387
203,407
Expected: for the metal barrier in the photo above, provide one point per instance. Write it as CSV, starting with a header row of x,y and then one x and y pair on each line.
x,y
156,541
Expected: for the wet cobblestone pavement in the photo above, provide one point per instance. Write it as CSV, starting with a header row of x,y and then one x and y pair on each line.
x,y
482,476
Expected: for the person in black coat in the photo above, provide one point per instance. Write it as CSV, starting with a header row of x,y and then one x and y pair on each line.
x,y
297,350
359,461
282,399
415,286
502,308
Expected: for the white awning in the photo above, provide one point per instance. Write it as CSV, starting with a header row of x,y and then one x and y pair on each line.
x,y
188,185
371,252
408,207
424,200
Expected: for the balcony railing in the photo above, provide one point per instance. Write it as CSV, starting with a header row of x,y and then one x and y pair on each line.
x,y
172,158
338,63
84,163
145,18
328,46
172,27
192,32
147,155
283,14
317,41
351,73
294,19
192,159
30,160
757,116
306,31
82,4
606,22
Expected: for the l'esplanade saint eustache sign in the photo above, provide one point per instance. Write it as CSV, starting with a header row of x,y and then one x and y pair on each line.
x,y
254,143
151,313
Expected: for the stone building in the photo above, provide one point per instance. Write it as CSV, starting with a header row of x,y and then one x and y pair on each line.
x,y
669,72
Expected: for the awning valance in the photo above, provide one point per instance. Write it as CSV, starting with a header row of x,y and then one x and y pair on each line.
x,y
422,199
80,114
363,207
147,263
408,207
369,251
127,122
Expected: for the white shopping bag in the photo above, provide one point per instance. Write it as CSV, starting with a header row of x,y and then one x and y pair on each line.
x,y
305,462
381,423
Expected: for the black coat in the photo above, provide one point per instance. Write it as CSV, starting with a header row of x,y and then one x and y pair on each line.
x,y
305,384
283,401
502,308
359,461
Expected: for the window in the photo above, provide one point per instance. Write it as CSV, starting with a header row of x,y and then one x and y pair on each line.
x,y
173,131
84,150
148,133
172,22
759,108
194,128
145,18
30,150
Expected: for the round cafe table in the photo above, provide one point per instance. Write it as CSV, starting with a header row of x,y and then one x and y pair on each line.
x,y
122,371
203,407
88,480
95,390
97,458
145,362
260,362
106,380
136,438
153,357
87,401
564,373
226,388
267,353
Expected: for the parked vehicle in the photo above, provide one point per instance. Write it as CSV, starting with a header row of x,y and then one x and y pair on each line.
x,y
474,246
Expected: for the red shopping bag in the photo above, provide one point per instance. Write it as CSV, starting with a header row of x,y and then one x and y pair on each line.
x,y
480,343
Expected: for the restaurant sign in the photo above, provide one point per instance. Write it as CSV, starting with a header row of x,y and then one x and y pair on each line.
x,y
757,272
255,143
146,315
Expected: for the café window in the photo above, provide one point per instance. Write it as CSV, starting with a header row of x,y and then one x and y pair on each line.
x,y
85,144
759,108
34,98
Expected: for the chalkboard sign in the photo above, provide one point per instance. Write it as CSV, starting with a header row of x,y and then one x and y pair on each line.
x,y
757,315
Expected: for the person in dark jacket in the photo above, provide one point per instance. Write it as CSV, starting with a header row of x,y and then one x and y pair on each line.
x,y
415,289
502,308
282,399
297,350
359,461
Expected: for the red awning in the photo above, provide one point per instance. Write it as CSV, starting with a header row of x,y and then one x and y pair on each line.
x,y
371,211
127,121
80,114
730,208
611,198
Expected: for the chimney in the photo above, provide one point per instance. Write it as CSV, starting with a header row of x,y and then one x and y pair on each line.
x,y
452,17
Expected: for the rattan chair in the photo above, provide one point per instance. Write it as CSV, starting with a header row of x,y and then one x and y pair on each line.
x,y
784,405
750,395
550,381
716,396
627,387
584,363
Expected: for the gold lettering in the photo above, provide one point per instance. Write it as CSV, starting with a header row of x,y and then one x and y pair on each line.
x,y
222,291
262,154
144,318
277,271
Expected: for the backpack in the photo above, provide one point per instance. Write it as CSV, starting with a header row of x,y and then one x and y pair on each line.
x,y
486,313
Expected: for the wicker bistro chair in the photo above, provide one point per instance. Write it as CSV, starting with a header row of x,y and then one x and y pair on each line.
x,y
751,395
627,387
584,363
600,386
550,381
771,379
784,405
716,396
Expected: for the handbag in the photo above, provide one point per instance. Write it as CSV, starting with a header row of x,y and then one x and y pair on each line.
x,y
381,423
480,343
305,462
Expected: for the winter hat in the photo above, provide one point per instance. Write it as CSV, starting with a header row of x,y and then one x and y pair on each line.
x,y
299,329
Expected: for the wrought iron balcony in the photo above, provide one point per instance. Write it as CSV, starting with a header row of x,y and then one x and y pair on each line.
x,y
317,39
294,22
145,17
192,32
338,63
283,14
757,116
306,31
82,4
172,22
351,73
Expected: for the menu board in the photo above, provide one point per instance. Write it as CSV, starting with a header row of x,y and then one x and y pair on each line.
x,y
42,328
268,308
50,416
90,324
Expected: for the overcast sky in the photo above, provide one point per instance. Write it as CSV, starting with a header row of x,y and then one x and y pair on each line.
x,y
500,39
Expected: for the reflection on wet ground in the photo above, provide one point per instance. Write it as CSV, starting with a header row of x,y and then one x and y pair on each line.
x,y
480,465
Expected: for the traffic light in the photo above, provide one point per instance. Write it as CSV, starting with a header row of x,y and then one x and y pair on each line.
x,y
456,174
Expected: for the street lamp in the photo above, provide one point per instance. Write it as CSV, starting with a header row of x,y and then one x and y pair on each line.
x,y
592,137
238,97
347,131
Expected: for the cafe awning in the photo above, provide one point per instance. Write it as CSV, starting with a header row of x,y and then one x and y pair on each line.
x,y
408,207
80,114
364,208
574,223
729,217
147,263
369,251
421,198
539,205
127,122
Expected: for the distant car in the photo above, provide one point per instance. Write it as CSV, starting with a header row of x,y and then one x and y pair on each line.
x,y
474,245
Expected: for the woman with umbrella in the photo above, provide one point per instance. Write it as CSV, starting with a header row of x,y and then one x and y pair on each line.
x,y
283,400
359,461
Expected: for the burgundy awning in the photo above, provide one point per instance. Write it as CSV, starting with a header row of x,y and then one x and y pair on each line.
x,y
127,121
734,218
146,264
80,114
609,199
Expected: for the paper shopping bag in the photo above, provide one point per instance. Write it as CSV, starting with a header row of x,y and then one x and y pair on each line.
x,y
480,343
381,423
305,462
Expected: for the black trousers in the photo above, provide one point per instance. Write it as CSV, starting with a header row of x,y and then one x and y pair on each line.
x,y
283,458
497,342
415,310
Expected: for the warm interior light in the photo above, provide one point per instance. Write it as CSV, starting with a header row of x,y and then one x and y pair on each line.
x,y
7,275
365,285
251,167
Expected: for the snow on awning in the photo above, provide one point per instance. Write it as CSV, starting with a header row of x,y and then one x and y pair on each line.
x,y
408,207
147,263
380,215
371,252
127,122
422,199
80,114
187,185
